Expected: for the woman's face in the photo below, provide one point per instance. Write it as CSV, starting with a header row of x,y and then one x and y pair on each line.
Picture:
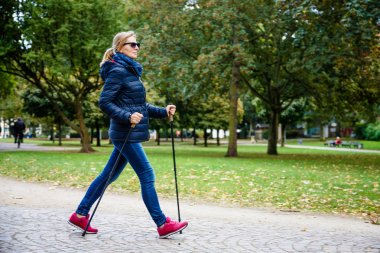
x,y
130,47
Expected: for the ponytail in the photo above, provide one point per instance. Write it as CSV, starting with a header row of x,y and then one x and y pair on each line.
x,y
110,52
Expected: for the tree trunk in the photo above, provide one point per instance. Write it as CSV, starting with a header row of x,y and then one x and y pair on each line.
x,y
234,95
97,134
283,137
338,130
322,136
86,138
205,136
273,132
86,141
158,136
59,132
52,134
217,137
195,137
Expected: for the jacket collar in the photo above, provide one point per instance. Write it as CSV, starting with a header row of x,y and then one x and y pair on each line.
x,y
128,62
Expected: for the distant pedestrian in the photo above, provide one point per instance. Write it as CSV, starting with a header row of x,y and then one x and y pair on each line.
x,y
18,129
123,99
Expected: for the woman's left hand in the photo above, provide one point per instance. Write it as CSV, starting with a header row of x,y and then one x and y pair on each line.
x,y
170,110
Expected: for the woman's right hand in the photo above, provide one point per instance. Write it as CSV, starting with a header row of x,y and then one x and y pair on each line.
x,y
136,118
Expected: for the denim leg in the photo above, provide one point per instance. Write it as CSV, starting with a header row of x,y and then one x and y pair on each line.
x,y
136,156
97,186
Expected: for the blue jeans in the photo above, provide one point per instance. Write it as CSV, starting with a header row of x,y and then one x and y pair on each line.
x,y
135,155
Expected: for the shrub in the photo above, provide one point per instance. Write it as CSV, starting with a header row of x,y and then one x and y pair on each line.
x,y
360,131
372,131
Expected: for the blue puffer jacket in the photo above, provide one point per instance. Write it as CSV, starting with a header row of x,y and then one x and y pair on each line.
x,y
123,94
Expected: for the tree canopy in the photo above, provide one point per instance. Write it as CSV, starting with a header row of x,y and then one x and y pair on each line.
x,y
57,46
202,56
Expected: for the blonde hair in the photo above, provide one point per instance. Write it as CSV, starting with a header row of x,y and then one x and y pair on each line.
x,y
117,43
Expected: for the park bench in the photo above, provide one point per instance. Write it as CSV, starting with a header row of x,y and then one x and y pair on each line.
x,y
330,143
346,144
358,145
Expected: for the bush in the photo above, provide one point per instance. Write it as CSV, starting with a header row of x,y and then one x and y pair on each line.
x,y
372,131
360,131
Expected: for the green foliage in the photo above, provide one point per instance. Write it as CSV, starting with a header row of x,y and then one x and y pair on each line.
x,y
11,106
372,131
57,47
7,84
348,77
173,42
193,51
360,131
368,131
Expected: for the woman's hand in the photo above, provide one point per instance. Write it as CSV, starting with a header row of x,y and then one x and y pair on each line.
x,y
136,118
170,110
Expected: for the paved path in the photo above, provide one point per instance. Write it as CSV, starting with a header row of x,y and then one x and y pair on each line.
x,y
302,146
6,146
33,219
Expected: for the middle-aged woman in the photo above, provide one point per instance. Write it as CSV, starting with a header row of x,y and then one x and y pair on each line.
x,y
123,99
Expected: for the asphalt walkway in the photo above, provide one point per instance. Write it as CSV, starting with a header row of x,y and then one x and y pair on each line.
x,y
33,219
6,146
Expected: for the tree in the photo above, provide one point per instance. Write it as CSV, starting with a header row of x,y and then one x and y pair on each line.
x,y
57,46
297,50
346,65
359,71
282,51
272,61
194,59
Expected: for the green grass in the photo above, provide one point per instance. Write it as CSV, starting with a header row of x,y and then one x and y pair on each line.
x,y
297,179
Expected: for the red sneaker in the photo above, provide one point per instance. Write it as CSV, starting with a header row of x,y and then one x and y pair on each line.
x,y
171,227
81,223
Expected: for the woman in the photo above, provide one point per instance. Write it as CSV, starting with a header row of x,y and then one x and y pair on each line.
x,y
123,99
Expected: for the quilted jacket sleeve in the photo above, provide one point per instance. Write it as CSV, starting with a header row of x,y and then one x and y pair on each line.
x,y
155,111
112,85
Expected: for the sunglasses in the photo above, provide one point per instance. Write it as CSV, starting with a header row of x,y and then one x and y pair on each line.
x,y
133,44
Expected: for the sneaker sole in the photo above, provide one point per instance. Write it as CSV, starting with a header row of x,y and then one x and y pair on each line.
x,y
172,233
87,232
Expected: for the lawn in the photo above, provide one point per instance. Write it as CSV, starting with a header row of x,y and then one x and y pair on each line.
x,y
295,180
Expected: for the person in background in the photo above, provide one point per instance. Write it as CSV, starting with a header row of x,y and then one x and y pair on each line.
x,y
338,141
19,128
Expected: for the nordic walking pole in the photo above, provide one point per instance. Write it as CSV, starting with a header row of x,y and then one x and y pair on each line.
x,y
108,180
175,168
